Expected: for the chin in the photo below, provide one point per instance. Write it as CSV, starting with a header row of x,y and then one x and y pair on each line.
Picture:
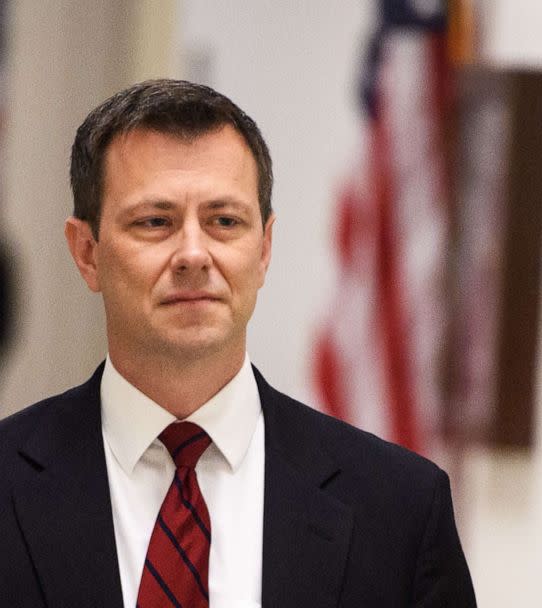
x,y
199,344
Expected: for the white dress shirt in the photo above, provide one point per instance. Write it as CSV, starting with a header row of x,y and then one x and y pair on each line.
x,y
230,474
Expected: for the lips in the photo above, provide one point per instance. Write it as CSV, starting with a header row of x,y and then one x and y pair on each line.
x,y
190,296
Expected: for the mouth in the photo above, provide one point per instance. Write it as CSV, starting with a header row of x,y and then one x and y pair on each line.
x,y
189,297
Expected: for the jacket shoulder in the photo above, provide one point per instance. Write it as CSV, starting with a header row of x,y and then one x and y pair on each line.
x,y
355,451
14,429
349,443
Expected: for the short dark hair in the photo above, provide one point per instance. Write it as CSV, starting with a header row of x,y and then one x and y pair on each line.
x,y
177,107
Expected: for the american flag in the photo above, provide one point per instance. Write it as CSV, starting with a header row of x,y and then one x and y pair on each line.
x,y
379,354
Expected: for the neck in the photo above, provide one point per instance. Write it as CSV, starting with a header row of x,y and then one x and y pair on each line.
x,y
179,386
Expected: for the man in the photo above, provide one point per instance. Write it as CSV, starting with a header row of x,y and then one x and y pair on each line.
x,y
253,499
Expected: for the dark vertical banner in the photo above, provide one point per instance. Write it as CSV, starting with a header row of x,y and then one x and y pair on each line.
x,y
496,259
517,356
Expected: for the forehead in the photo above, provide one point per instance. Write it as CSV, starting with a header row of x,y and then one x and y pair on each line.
x,y
140,152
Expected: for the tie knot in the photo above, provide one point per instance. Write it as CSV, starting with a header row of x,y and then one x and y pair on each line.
x,y
186,442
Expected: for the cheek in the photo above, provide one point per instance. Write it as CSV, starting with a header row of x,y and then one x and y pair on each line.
x,y
121,272
250,276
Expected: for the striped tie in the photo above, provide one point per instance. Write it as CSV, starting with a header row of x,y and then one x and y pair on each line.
x,y
177,564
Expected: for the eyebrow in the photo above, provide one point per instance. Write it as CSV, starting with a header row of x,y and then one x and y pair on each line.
x,y
227,202
165,205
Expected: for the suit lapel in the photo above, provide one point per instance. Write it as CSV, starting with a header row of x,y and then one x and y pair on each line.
x,y
306,530
64,508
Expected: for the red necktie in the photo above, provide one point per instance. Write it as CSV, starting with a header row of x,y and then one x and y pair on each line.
x,y
176,568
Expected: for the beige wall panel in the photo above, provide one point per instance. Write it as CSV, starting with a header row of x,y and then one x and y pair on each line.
x,y
64,57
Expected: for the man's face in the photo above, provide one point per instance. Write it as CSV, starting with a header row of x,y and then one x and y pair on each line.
x,y
181,251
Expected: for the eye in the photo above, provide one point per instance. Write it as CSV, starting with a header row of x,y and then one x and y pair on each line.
x,y
226,222
153,222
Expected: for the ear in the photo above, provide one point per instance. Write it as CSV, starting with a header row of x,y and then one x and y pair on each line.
x,y
267,246
82,245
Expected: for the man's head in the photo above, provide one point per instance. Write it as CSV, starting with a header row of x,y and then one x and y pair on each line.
x,y
172,221
174,107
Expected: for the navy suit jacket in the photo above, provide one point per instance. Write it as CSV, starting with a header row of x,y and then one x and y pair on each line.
x,y
350,521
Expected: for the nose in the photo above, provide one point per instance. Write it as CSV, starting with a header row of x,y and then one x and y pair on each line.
x,y
191,251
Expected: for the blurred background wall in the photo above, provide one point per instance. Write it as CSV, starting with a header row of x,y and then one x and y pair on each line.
x,y
63,57
294,66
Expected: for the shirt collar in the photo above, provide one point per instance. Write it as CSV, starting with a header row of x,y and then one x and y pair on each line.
x,y
131,421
